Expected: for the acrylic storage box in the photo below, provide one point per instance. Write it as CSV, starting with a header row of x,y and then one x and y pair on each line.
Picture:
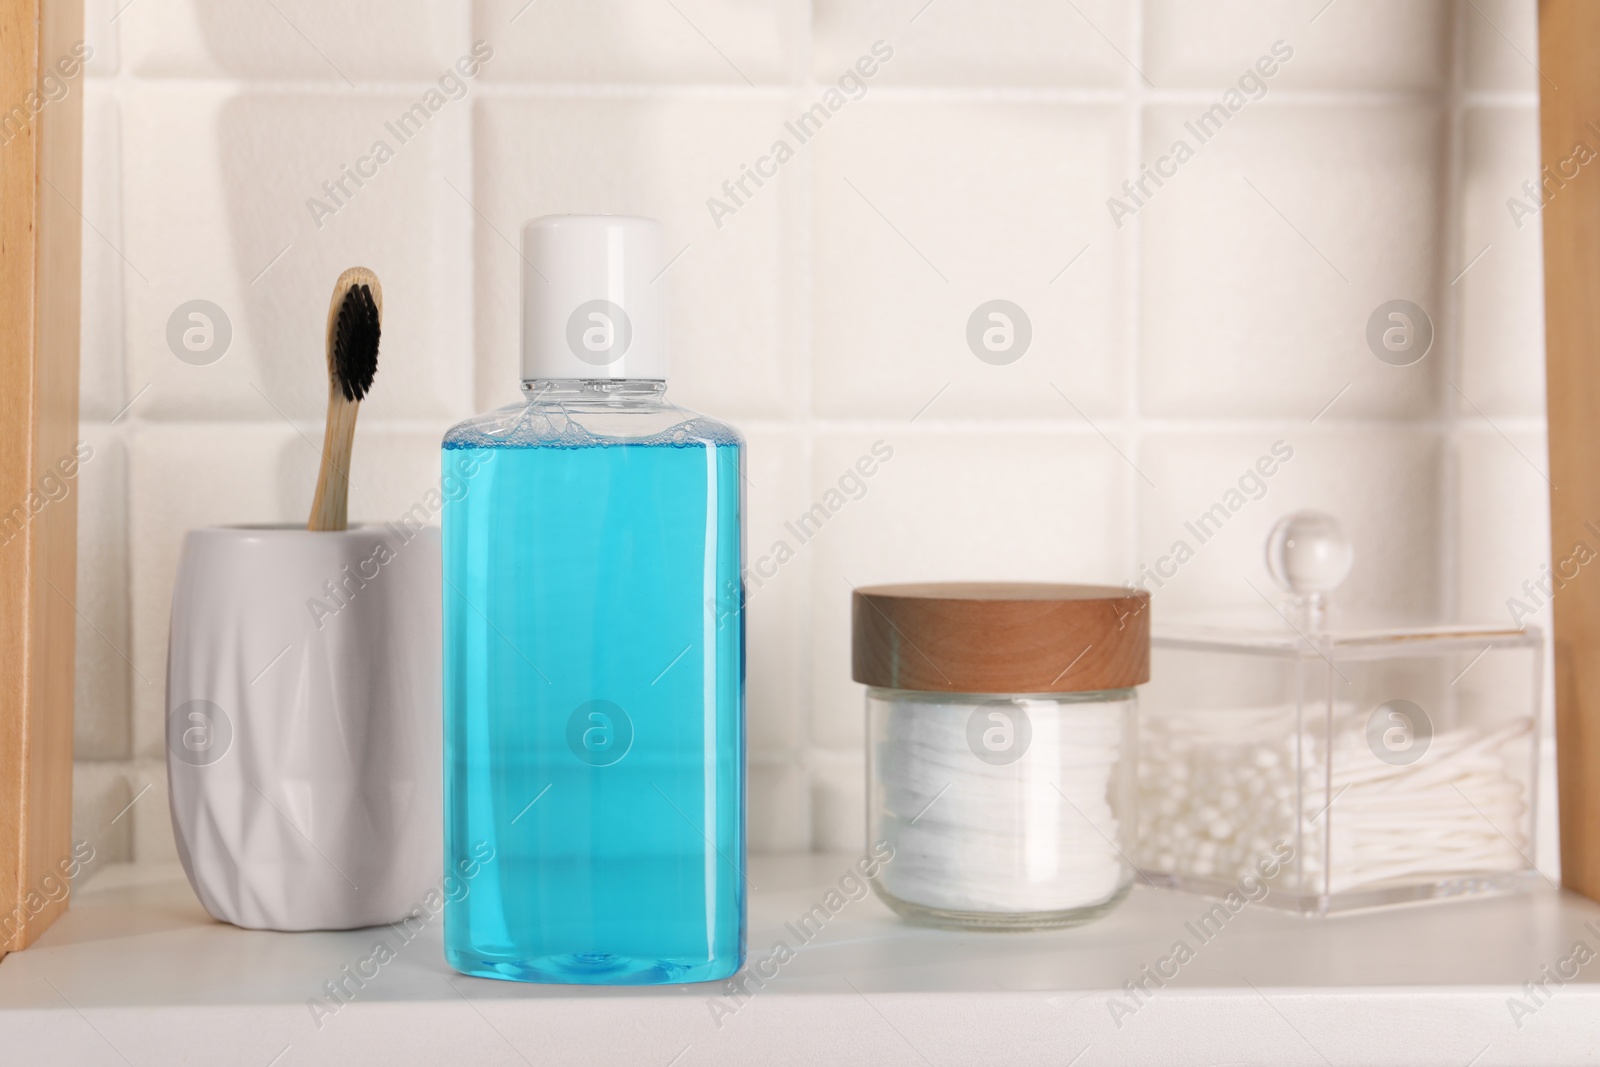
x,y
1366,768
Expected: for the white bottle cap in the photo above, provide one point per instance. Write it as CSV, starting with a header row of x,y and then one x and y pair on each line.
x,y
590,305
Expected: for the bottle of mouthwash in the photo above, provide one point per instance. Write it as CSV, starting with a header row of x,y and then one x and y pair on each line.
x,y
593,644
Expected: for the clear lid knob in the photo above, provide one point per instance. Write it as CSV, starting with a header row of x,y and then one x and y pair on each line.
x,y
1309,556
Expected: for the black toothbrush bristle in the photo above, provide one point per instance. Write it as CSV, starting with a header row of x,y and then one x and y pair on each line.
x,y
355,342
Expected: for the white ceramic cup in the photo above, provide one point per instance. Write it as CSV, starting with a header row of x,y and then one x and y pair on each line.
x,y
303,723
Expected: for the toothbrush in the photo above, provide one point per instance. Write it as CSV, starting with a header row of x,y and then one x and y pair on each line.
x,y
355,320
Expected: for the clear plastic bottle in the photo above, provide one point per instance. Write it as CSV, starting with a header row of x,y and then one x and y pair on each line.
x,y
594,645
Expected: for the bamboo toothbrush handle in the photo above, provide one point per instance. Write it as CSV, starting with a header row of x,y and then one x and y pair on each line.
x,y
329,509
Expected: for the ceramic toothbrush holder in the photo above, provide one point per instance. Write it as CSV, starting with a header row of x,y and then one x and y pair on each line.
x,y
303,723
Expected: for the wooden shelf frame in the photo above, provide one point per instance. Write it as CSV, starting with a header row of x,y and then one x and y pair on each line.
x,y
41,170
1569,115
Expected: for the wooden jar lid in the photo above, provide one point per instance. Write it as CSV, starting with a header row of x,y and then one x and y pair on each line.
x,y
1000,637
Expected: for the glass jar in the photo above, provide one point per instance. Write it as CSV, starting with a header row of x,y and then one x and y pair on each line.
x,y
1001,742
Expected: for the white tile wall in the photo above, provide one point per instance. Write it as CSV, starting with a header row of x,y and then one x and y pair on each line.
x,y
216,184
775,634
1501,477
692,42
1502,310
102,372
1358,45
830,310
1502,45
978,42
899,262
100,812
101,36
101,726
305,40
1265,255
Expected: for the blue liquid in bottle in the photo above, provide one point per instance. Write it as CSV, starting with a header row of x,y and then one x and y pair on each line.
x,y
593,645
594,681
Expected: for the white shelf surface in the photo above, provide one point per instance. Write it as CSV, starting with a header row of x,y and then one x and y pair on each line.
x,y
136,973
